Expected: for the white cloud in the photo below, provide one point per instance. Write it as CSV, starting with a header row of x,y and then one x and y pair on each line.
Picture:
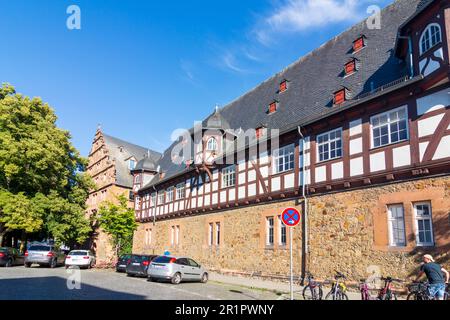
x,y
229,61
299,15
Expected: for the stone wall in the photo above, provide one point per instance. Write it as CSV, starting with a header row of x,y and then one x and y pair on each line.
x,y
348,232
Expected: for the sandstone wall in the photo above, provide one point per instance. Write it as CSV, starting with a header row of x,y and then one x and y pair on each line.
x,y
348,232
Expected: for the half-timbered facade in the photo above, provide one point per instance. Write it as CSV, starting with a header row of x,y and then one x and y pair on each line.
x,y
363,151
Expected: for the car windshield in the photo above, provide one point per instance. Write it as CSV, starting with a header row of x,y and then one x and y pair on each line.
x,y
139,258
3,249
125,257
162,260
78,253
39,248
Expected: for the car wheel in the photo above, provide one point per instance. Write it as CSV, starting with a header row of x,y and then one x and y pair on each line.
x,y
66,266
9,263
27,265
150,279
176,278
53,264
204,278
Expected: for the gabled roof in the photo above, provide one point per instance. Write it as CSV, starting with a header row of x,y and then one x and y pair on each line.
x,y
121,151
315,77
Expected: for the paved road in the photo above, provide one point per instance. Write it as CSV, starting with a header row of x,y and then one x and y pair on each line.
x,y
19,283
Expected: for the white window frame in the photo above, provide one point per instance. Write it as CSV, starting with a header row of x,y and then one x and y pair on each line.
x,y
229,177
212,144
389,123
329,142
177,235
161,198
154,199
172,236
170,194
130,161
391,220
418,217
270,226
211,234
281,227
281,154
181,191
430,41
217,233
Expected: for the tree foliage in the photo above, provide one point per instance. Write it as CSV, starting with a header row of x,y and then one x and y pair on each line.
x,y
118,221
42,184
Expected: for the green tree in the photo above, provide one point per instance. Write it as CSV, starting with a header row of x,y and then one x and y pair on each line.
x,y
118,221
42,184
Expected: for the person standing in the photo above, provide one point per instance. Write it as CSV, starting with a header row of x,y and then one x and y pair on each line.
x,y
435,275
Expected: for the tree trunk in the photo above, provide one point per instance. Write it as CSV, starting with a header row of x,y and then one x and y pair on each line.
x,y
23,241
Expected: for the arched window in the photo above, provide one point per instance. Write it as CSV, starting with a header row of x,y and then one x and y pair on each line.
x,y
211,145
430,37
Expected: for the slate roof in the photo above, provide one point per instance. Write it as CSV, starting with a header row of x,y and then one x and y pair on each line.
x,y
315,77
129,150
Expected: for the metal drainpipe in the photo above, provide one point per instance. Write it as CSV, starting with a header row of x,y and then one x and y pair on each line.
x,y
154,214
305,198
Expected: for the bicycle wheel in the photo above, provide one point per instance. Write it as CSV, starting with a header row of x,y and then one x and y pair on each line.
x,y
342,296
308,294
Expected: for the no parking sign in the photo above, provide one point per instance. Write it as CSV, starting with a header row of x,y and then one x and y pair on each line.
x,y
291,217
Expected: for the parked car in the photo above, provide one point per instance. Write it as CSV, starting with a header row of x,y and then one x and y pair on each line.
x,y
44,254
176,270
80,258
138,265
10,257
124,260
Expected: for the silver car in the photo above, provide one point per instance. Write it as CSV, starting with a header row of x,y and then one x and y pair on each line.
x,y
176,270
44,254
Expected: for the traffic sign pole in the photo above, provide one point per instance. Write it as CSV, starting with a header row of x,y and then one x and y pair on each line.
x,y
292,264
291,218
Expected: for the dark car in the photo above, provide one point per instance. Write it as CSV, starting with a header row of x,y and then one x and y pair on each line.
x,y
122,263
44,254
138,265
10,257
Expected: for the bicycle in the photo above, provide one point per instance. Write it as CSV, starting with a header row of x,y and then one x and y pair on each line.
x,y
313,290
384,293
338,290
420,291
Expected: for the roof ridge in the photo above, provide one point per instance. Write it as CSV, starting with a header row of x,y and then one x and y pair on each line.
x,y
131,143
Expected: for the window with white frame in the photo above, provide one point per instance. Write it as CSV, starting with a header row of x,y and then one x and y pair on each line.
x,y
329,145
148,236
161,198
181,191
218,233
211,234
153,199
283,159
131,164
169,197
396,221
211,145
172,235
430,37
424,224
282,239
177,235
270,231
389,127
229,176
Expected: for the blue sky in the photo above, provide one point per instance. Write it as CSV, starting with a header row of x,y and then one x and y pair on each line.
x,y
142,69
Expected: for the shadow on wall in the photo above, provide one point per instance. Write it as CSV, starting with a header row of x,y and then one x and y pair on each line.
x,y
441,253
55,288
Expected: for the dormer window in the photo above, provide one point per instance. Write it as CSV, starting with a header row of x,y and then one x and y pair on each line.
x,y
131,164
359,43
273,107
340,97
283,86
260,132
430,37
350,67
211,145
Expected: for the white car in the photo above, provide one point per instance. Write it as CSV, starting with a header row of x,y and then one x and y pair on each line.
x,y
80,258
